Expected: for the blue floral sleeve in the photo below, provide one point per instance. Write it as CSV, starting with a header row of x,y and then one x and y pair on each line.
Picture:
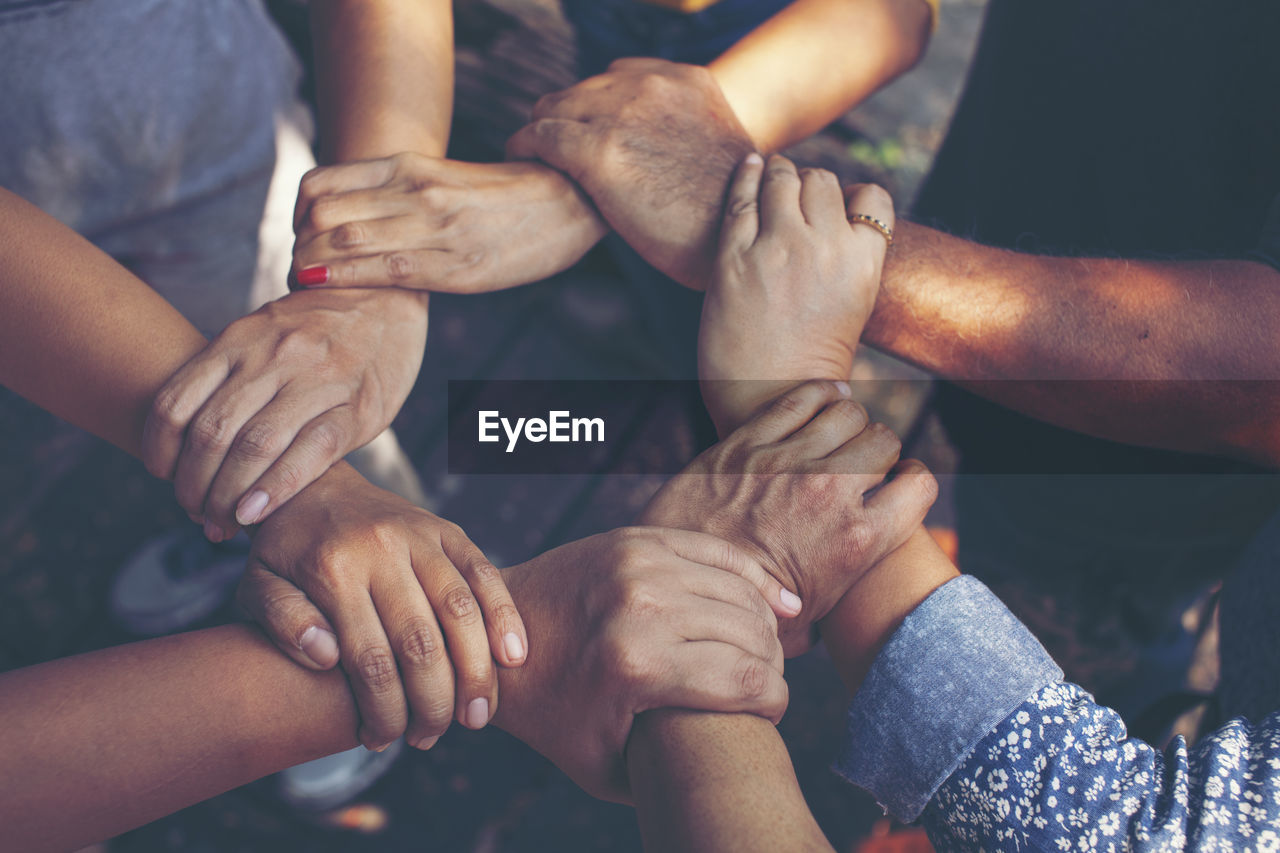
x,y
1061,774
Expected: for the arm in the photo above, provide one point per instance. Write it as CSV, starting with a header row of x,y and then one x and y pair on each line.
x,y
384,76
815,60
102,742
1144,336
82,337
963,717
717,782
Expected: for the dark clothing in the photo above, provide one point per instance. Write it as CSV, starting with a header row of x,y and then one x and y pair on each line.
x,y
1134,128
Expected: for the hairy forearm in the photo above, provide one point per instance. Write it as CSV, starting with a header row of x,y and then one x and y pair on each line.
x,y
816,59
79,335
1173,354
384,76
709,782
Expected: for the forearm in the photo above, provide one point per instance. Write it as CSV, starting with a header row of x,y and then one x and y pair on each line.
x,y
79,335
103,742
878,602
816,59
384,76
1173,354
708,782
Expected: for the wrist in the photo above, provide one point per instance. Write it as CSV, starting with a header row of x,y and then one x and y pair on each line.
x,y
878,602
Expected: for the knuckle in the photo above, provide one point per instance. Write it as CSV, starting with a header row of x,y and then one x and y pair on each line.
x,y
459,603
328,439
420,646
377,669
433,197
309,186
886,436
743,206
505,616
349,235
259,441
751,677
325,212
211,431
167,409
399,266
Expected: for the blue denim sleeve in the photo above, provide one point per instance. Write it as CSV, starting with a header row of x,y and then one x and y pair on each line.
x,y
953,671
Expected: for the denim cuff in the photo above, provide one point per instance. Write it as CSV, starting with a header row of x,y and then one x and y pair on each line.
x,y
953,671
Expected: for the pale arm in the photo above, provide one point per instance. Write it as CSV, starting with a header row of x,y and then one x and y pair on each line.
x,y
814,60
385,76
1144,335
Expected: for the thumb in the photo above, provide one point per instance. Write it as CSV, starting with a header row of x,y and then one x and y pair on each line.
x,y
290,619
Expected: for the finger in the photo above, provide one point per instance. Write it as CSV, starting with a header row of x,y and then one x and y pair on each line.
x,y
870,200
458,611
579,102
742,206
371,669
316,447
209,438
821,201
419,647
290,619
835,425
266,437
362,239
508,639
323,180
905,499
560,143
715,676
436,270
779,195
331,212
717,553
173,408
730,609
871,454
790,412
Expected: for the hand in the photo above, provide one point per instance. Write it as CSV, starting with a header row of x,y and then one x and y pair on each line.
x,y
632,620
802,489
280,396
793,286
654,144
432,224
390,577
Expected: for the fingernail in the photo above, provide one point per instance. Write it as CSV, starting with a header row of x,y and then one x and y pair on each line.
x,y
213,532
513,646
252,507
790,601
754,159
844,389
426,743
313,276
477,713
382,748
319,645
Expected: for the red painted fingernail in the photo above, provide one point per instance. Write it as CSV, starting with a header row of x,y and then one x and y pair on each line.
x,y
312,276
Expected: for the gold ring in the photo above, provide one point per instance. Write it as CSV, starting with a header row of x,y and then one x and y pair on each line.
x,y
863,219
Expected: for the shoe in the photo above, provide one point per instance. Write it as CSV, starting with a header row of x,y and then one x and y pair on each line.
x,y
329,782
175,580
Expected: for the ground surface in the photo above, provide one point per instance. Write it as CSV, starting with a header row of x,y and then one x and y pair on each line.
x,y
72,508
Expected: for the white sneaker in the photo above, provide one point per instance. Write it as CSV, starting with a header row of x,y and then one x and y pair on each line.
x,y
175,580
329,782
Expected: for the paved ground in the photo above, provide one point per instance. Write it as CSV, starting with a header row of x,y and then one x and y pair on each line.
x,y
72,508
